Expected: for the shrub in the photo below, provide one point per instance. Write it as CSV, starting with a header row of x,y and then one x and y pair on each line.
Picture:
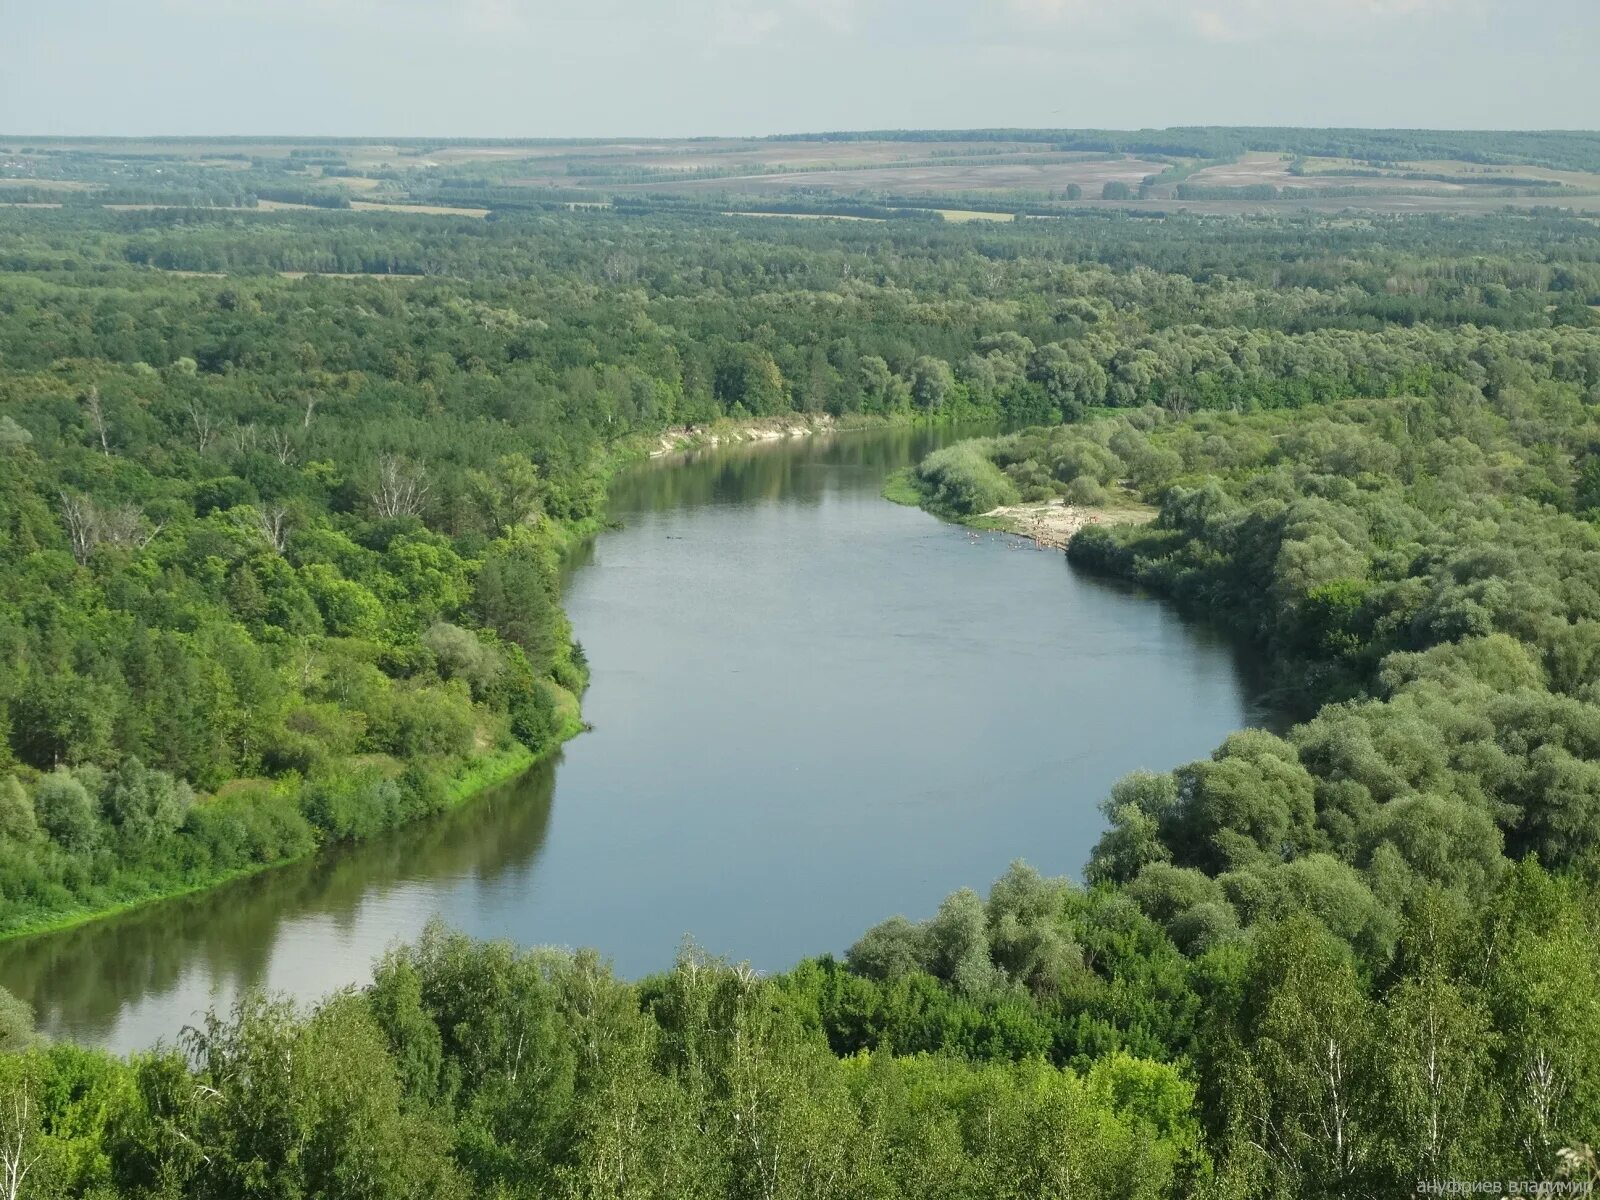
x,y
1085,491
66,810
17,820
961,480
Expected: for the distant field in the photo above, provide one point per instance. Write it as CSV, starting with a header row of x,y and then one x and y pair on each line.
x,y
49,185
1052,176
966,214
961,176
346,275
1245,170
434,210
803,216
292,274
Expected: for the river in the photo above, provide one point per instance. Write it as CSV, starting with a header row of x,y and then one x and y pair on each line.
x,y
812,709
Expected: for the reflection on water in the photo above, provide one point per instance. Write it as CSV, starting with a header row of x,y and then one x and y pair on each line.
x,y
811,708
798,470
174,958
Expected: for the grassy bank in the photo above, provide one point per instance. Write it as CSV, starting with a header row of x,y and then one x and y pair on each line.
x,y
476,777
148,880
128,886
900,487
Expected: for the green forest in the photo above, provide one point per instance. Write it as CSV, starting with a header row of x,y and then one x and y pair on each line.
x,y
284,499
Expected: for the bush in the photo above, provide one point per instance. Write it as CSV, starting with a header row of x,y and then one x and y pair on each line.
x,y
17,820
66,811
1085,491
348,808
961,480
461,655
434,722
145,804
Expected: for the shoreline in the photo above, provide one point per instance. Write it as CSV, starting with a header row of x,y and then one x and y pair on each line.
x,y
1054,523
481,773
726,432
1046,523
477,776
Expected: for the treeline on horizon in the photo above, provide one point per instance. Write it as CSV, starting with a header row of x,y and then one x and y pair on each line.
x,y
278,566
1557,149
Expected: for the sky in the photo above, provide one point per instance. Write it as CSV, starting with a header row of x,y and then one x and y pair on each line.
x,y
666,68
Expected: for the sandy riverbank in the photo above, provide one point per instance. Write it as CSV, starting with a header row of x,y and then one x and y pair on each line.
x,y
684,437
1055,522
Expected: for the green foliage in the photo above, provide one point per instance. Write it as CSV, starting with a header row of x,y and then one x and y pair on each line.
x,y
18,821
279,560
1348,901
960,480
475,1069
270,1102
16,1024
66,810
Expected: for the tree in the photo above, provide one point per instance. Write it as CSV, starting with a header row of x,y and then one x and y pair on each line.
x,y
400,488
958,943
889,950
66,811
17,820
202,424
1253,801
1547,1057
1436,1037
515,595
13,437
511,496
931,381
1139,805
16,1024
89,525
1310,1051
145,805
97,418
885,391
274,1104
749,379
21,1135
271,523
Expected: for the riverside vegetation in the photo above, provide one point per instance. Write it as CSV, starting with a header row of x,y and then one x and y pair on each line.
x,y
278,566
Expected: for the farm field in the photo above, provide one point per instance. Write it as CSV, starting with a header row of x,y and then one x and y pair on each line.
x,y
958,174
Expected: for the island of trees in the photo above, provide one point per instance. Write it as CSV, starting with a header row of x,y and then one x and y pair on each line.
x,y
278,568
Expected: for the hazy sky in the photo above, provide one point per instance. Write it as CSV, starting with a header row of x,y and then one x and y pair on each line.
x,y
508,68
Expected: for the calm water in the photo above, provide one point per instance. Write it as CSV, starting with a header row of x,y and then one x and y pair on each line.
x,y
812,709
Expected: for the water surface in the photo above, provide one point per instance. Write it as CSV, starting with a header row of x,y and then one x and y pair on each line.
x,y
812,709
